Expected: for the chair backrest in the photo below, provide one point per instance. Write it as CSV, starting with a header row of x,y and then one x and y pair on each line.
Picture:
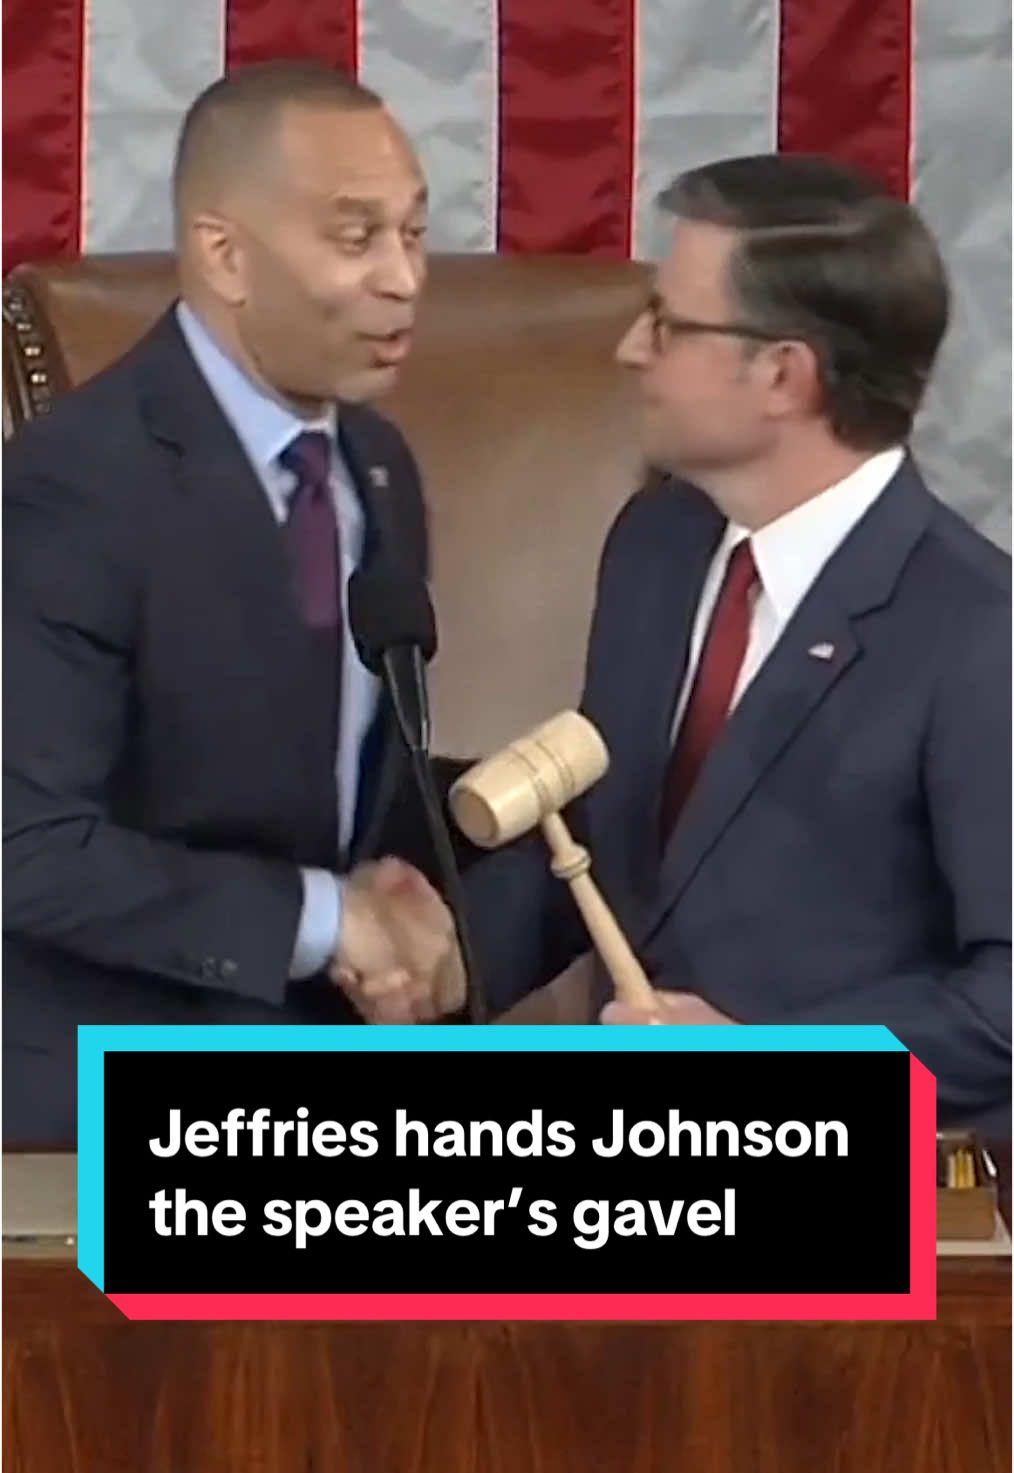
x,y
523,425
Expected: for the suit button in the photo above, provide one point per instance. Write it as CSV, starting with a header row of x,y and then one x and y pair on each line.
x,y
227,970
209,968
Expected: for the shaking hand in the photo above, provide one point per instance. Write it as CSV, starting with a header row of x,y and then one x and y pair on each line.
x,y
397,960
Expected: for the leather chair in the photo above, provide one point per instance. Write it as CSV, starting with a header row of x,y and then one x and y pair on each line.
x,y
524,427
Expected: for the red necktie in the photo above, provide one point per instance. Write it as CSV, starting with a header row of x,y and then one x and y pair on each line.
x,y
714,684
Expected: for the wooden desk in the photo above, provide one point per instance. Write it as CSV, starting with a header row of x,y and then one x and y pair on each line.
x,y
87,1392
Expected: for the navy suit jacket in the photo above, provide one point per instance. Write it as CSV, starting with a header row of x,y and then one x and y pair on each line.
x,y
168,768
845,854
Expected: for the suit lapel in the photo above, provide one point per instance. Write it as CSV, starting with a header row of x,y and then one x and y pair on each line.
x,y
659,654
815,651
787,690
242,541
367,453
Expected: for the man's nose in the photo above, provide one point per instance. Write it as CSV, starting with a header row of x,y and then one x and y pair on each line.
x,y
399,271
632,351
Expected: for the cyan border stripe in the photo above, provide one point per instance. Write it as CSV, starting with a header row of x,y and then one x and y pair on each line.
x,y
506,1038
91,1147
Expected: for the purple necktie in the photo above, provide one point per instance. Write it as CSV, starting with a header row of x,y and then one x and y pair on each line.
x,y
312,528
311,532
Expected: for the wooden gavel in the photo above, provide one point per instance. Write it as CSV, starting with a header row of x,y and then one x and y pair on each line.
x,y
524,787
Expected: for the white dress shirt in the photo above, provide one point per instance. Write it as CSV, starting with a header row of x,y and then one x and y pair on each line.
x,y
789,555
265,428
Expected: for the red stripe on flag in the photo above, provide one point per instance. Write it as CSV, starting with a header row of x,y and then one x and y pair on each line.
x,y
42,75
566,126
261,30
846,84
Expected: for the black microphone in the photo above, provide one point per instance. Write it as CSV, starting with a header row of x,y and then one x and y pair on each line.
x,y
392,624
395,634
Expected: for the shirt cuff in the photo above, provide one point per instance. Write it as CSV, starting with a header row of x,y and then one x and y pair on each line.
x,y
319,924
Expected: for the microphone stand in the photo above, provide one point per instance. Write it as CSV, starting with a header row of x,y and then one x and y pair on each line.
x,y
414,724
478,1011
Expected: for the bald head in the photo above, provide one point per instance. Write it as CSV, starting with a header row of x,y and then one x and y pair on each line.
x,y
232,130
301,225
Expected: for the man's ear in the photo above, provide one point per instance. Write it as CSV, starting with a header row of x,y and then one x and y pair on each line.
x,y
218,253
795,383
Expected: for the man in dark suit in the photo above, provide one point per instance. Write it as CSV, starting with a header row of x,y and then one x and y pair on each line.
x,y
194,753
799,658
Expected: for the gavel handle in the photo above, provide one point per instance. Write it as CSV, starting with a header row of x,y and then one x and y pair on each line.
x,y
572,863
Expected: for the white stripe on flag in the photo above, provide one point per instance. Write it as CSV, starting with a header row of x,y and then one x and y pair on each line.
x,y
707,87
436,67
145,63
962,187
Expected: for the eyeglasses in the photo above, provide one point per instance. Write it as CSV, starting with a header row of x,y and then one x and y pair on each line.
x,y
665,327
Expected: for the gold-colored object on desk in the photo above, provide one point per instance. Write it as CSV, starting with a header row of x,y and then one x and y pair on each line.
x,y
968,1165
961,1170
967,1195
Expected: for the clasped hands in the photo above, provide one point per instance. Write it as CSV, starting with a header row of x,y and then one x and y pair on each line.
x,y
398,959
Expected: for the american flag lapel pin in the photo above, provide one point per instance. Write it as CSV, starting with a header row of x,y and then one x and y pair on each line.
x,y
378,477
823,651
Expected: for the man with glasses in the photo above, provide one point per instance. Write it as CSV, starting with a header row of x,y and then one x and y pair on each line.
x,y
799,658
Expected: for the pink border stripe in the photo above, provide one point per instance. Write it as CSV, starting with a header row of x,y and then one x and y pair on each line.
x,y
918,1304
522,1306
923,1189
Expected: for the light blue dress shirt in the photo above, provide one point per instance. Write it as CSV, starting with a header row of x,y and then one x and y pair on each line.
x,y
265,428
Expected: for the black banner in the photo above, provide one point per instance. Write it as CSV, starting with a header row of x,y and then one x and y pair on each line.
x,y
506,1172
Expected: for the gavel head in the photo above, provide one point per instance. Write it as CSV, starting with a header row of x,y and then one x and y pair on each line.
x,y
507,795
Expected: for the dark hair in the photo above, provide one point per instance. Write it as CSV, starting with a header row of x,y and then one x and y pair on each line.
x,y
827,255
231,120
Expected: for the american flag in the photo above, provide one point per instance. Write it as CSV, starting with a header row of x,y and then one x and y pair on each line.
x,y
550,125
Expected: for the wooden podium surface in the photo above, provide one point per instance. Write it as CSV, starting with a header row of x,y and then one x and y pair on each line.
x,y
87,1392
